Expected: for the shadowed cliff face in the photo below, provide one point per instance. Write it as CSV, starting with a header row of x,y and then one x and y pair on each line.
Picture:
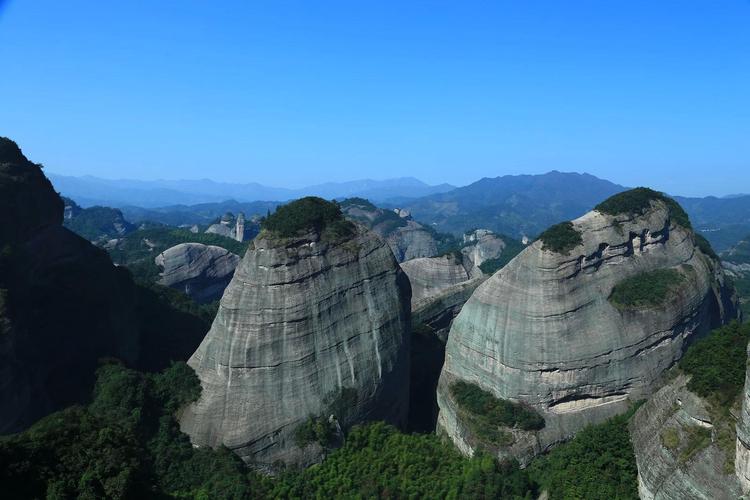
x,y
304,320
27,200
63,305
544,331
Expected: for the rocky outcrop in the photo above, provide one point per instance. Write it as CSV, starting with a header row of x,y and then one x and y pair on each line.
x,y
742,450
430,276
64,306
200,271
238,228
97,224
407,238
482,245
62,303
678,447
28,202
306,322
411,241
543,331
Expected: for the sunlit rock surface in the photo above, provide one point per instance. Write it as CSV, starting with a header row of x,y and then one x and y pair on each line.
x,y
302,320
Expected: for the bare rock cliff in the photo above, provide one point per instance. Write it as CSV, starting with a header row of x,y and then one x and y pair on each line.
x,y
303,321
544,331
678,447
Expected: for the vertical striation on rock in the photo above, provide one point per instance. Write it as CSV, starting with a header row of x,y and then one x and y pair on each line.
x,y
543,331
305,319
742,452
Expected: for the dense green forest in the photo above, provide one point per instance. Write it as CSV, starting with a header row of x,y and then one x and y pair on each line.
x,y
126,443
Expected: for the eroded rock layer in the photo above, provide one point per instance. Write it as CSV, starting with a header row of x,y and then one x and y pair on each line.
x,y
302,322
543,331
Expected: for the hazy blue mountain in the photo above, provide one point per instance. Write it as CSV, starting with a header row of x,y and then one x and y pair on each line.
x,y
516,205
723,221
88,191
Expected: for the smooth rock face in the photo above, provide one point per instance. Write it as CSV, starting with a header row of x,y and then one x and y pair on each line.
x,y
430,276
411,242
542,330
482,245
742,454
301,320
221,229
664,473
201,271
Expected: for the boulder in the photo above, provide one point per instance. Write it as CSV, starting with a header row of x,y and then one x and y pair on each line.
x,y
200,271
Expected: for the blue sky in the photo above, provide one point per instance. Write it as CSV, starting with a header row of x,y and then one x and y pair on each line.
x,y
292,93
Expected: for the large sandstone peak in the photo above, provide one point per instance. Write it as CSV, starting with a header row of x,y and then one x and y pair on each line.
x,y
584,320
311,317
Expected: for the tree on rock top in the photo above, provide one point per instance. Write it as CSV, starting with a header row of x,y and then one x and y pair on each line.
x,y
637,201
308,214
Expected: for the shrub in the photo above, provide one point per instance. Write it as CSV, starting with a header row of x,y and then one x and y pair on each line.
x,y
561,238
488,414
315,430
716,363
646,290
670,438
305,214
636,201
697,439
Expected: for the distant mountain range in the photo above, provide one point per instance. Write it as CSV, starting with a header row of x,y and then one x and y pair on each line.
x,y
88,191
525,205
516,205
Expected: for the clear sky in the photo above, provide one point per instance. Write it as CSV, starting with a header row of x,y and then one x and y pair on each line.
x,y
288,93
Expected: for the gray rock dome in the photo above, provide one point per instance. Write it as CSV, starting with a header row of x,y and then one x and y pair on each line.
x,y
304,321
546,331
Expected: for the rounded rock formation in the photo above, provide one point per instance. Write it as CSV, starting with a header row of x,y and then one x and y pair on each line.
x,y
201,271
575,327
312,326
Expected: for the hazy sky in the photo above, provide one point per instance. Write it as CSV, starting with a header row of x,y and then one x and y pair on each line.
x,y
291,93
